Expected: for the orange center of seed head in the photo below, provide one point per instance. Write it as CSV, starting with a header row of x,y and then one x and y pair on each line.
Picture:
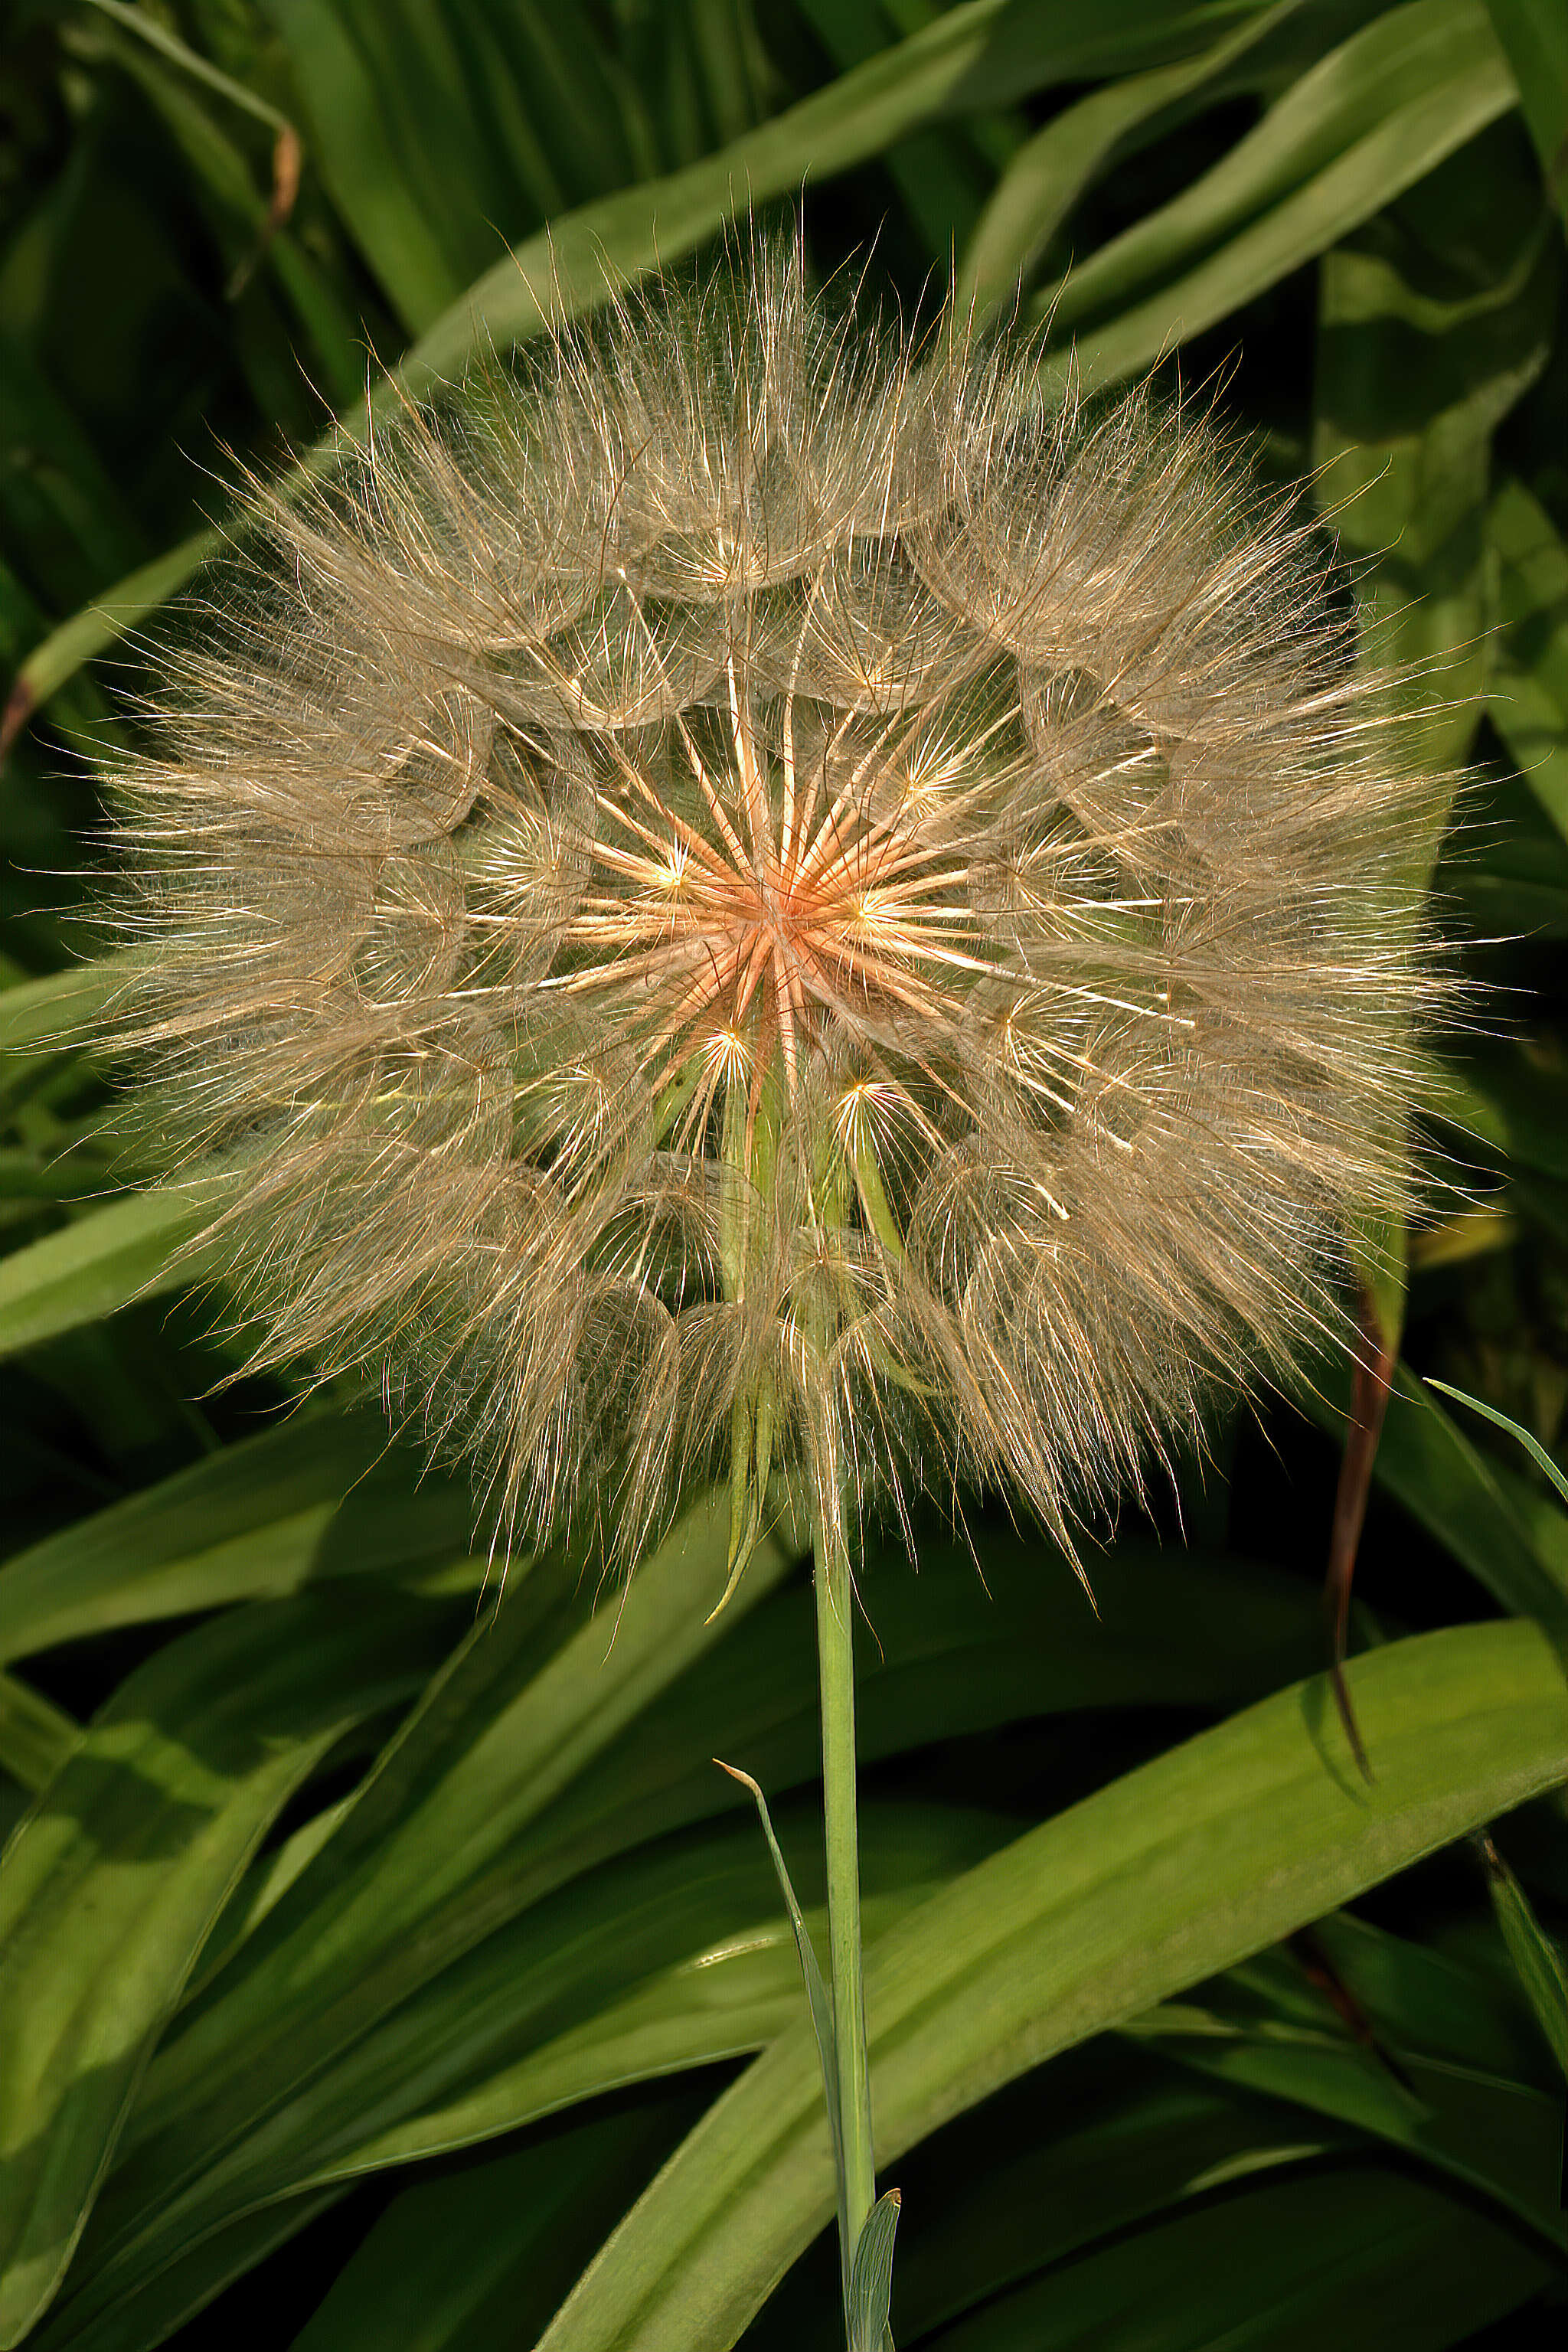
x,y
794,904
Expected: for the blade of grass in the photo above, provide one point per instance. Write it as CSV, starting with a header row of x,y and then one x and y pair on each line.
x,y
1044,181
1533,35
818,1998
104,1260
50,1013
1364,125
35,1735
1460,1496
1350,2255
233,2114
484,2256
566,2007
871,2282
577,264
1411,387
1529,702
1266,2029
1187,1864
254,1521
110,1884
1532,1445
1535,1957
253,225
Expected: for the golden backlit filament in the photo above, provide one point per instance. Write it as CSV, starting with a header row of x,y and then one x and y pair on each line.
x,y
747,898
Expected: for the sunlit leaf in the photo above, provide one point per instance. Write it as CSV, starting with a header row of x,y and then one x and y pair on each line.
x,y
1529,690
35,1735
1043,182
1369,121
109,1886
1532,1445
1533,35
1215,1849
599,1959
107,1257
255,1521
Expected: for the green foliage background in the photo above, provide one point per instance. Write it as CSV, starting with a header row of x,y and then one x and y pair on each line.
x,y
366,1949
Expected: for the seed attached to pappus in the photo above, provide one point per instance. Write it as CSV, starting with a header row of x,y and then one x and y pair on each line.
x,y
750,897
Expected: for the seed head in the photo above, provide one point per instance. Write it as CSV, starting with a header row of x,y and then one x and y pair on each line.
x,y
744,898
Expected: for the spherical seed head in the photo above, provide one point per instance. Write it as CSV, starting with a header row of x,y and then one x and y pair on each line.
x,y
743,899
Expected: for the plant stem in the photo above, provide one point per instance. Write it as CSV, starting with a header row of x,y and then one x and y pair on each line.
x,y
835,1668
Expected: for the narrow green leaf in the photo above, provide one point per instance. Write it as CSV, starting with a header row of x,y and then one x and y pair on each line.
x,y
573,266
1528,702
240,2109
1100,2142
29,1176
1460,1496
1040,43
254,1521
1416,367
138,1247
1501,1098
1353,2256
1266,2027
385,2105
35,1735
1536,1956
1533,35
424,1863
1403,58
104,621
1425,2004
935,177
242,1524
373,180
482,2257
1049,173
169,46
817,1996
1186,1865
109,1886
1532,1445
1366,123
57,1009
581,259
67,522
173,2295
872,2279
561,98
576,264
673,1957
722,2002
949,1658
1045,179
251,224
1505,905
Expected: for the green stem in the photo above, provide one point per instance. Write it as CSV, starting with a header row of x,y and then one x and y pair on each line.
x,y
835,1668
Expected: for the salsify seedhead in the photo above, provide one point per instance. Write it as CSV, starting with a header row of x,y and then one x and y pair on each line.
x,y
744,899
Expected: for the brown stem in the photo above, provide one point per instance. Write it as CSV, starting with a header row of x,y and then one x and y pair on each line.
x,y
1371,1378
17,711
1321,1972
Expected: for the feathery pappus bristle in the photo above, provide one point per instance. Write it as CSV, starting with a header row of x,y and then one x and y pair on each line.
x,y
745,898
